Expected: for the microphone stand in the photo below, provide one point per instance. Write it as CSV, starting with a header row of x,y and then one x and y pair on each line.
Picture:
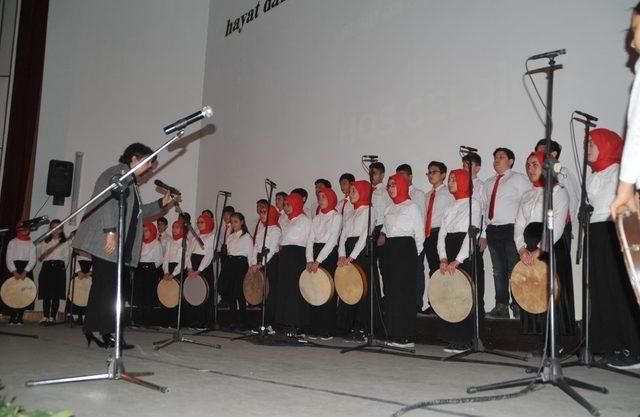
x,y
371,340
115,367
477,346
585,358
551,368
178,336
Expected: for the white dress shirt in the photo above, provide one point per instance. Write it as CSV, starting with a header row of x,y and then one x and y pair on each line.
x,y
296,232
283,220
325,228
60,252
240,244
380,200
601,190
224,235
152,252
20,250
570,183
530,211
164,238
355,226
418,196
456,220
207,251
311,210
404,219
173,254
345,208
479,199
510,190
629,166
441,202
273,240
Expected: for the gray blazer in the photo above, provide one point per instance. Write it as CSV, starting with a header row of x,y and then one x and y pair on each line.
x,y
101,217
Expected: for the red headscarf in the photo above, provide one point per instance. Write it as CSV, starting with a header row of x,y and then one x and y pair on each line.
x,y
540,156
208,224
402,186
178,236
21,234
153,230
272,220
331,197
609,145
462,183
364,193
296,203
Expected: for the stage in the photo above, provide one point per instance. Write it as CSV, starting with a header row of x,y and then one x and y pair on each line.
x,y
245,379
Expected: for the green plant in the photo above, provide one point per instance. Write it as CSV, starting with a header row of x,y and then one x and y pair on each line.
x,y
8,409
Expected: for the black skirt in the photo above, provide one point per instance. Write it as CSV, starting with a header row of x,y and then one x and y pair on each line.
x,y
564,308
52,281
615,316
400,263
145,282
291,308
271,275
323,318
232,274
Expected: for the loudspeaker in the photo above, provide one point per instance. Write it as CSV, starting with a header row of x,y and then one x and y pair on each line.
x,y
59,180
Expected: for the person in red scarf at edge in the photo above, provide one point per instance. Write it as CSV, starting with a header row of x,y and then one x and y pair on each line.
x,y
404,230
21,258
271,245
291,309
353,320
453,250
528,235
171,268
615,317
146,276
200,262
322,251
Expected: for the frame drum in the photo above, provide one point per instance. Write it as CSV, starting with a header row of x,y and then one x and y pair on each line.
x,y
316,287
529,286
628,228
451,296
18,293
253,287
350,283
168,292
196,290
80,294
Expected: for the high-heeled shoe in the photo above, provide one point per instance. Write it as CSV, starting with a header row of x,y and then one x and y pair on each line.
x,y
111,340
92,338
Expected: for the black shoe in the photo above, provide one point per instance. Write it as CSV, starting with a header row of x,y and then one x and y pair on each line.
x,y
500,311
91,338
515,308
429,311
111,340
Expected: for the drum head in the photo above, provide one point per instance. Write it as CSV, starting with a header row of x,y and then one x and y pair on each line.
x,y
196,290
529,286
451,296
81,288
253,287
316,287
18,293
169,292
350,283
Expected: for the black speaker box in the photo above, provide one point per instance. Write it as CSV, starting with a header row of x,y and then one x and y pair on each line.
x,y
59,180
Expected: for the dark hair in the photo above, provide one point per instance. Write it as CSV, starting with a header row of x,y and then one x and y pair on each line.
x,y
240,217
441,166
301,192
163,220
262,201
208,212
406,168
636,9
324,182
52,224
281,194
472,158
555,146
509,153
347,176
228,209
138,150
377,165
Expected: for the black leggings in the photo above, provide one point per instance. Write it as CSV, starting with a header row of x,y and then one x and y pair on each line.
x,y
50,307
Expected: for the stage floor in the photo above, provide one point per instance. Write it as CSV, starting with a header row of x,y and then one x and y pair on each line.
x,y
245,379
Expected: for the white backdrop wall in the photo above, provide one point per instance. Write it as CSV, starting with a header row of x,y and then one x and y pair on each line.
x,y
307,88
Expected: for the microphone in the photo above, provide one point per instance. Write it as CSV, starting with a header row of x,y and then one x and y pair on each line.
x,y
271,183
35,222
226,193
586,116
370,156
551,54
192,118
585,122
468,148
167,187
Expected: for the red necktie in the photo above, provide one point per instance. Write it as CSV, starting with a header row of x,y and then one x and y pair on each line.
x,y
343,204
427,228
492,203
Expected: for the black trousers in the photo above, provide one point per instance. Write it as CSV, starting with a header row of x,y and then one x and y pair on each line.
x,y
291,309
322,318
52,284
271,277
233,272
101,307
145,298
504,257
401,259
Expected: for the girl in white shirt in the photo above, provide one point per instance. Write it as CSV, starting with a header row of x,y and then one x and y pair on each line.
x,y
146,275
404,230
322,251
171,268
200,262
234,269
52,280
615,317
21,258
